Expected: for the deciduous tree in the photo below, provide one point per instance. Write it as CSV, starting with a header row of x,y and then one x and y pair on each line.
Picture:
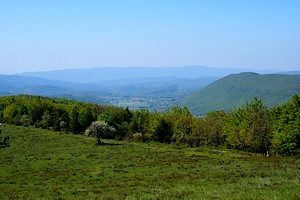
x,y
99,129
249,128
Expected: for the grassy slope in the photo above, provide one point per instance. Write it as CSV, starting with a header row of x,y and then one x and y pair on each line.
x,y
234,90
41,164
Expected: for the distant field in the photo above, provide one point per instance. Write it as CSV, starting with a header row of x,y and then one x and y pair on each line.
x,y
41,164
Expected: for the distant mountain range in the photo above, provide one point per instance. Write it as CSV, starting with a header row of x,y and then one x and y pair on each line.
x,y
234,90
200,88
13,84
151,93
94,75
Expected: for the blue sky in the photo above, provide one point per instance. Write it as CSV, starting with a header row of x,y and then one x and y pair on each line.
x,y
38,35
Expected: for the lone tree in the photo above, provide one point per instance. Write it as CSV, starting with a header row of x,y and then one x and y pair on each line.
x,y
5,142
99,129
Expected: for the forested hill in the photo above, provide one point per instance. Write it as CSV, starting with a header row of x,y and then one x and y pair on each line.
x,y
253,127
233,90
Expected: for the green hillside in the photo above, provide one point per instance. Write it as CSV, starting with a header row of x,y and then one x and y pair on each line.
x,y
42,164
233,90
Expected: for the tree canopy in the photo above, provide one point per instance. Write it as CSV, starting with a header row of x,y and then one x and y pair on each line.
x,y
252,127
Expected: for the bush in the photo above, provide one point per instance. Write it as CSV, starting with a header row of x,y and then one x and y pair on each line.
x,y
99,129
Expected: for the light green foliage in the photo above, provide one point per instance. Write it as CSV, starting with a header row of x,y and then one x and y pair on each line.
x,y
249,128
182,124
140,122
47,113
107,117
286,120
63,125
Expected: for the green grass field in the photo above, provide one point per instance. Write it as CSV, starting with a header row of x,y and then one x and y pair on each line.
x,y
42,164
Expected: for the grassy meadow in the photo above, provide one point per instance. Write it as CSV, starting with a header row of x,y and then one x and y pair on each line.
x,y
42,164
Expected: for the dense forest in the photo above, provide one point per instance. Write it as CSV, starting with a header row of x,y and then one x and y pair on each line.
x,y
253,127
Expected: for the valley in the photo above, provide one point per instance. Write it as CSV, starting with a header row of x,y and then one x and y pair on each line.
x,y
150,103
201,89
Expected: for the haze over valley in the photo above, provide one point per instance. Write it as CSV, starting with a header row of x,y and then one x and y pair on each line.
x,y
151,88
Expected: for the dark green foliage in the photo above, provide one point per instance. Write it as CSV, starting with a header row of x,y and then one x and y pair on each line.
x,y
163,131
5,142
213,125
85,118
74,120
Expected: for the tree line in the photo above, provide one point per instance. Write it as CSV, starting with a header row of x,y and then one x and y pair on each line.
x,y
253,127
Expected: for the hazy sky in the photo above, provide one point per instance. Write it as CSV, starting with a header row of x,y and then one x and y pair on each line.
x,y
39,35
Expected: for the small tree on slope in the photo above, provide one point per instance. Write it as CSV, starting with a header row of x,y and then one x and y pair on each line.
x,y
99,129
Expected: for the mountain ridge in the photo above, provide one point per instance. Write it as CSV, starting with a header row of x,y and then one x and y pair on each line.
x,y
233,90
117,73
135,88
149,93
